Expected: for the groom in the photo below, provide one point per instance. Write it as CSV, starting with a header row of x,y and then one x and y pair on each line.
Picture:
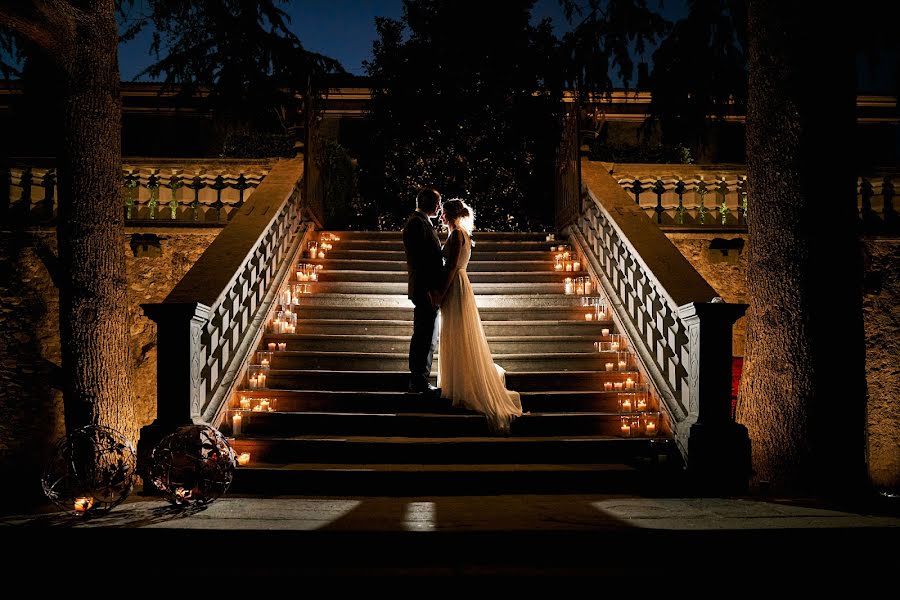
x,y
425,264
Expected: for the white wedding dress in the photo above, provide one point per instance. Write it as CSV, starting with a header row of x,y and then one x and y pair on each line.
x,y
467,374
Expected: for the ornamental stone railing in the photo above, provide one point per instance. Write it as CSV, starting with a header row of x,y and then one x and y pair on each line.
x,y
210,323
155,191
679,328
716,196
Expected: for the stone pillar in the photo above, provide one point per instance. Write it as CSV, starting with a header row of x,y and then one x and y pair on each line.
x,y
718,448
179,365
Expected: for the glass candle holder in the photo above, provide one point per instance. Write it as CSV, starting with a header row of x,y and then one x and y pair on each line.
x,y
650,422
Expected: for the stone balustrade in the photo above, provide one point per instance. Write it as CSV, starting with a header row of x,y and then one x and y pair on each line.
x,y
213,319
679,328
157,192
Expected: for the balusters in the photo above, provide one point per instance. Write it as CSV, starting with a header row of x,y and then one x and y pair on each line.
x,y
722,189
702,211
742,200
196,184
887,191
218,185
637,189
679,212
48,182
25,182
659,189
866,192
174,184
153,187
131,184
241,185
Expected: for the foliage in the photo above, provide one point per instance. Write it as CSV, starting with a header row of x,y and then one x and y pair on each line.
x,y
342,204
641,153
257,144
465,97
700,70
605,35
242,53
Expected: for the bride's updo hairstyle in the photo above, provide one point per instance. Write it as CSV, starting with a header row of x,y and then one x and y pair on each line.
x,y
460,214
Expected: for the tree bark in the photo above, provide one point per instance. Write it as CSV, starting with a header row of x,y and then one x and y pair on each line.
x,y
803,391
81,42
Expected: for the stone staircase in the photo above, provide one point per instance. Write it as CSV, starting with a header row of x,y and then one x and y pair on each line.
x,y
339,420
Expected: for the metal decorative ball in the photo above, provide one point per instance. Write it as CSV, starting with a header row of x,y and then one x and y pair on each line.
x,y
194,465
90,471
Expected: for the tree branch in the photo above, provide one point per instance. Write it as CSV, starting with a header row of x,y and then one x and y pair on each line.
x,y
44,23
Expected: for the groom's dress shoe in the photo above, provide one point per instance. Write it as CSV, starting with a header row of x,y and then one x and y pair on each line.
x,y
423,389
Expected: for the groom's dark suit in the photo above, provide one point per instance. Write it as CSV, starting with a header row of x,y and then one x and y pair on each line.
x,y
425,264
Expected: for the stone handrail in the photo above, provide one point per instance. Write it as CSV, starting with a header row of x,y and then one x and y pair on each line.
x,y
155,191
678,327
212,320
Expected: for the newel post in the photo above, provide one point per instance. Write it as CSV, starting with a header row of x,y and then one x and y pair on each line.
x,y
718,448
179,366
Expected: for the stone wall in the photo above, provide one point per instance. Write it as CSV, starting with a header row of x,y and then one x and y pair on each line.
x,y
881,310
31,417
722,260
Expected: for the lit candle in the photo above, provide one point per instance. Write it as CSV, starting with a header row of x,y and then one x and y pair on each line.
x,y
576,266
642,403
614,346
254,382
236,422
604,332
321,254
244,458
579,287
552,248
609,366
264,405
629,384
568,266
622,365
588,286
569,286
261,379
301,276
618,386
626,405
282,346
245,403
651,428
314,276
272,346
83,504
607,387
588,316
625,429
264,362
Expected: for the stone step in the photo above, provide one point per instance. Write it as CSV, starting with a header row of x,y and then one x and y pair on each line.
x,y
359,450
397,235
646,473
418,425
403,402
478,255
341,264
487,245
362,327
399,300
476,277
393,361
398,288
521,344
397,381
488,313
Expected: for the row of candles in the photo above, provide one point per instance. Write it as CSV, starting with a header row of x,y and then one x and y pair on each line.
x,y
644,424
579,286
284,321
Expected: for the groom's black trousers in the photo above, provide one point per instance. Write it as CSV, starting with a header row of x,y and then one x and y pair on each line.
x,y
423,342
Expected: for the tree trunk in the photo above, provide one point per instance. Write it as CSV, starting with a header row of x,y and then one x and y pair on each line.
x,y
93,293
803,390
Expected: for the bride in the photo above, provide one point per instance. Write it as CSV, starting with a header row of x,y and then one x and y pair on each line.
x,y
467,374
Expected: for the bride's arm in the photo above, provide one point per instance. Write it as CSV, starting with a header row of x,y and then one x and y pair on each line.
x,y
453,259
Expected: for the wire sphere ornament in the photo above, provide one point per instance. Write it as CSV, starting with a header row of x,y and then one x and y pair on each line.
x,y
90,471
193,466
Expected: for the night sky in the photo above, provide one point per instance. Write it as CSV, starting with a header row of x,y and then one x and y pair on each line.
x,y
343,29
